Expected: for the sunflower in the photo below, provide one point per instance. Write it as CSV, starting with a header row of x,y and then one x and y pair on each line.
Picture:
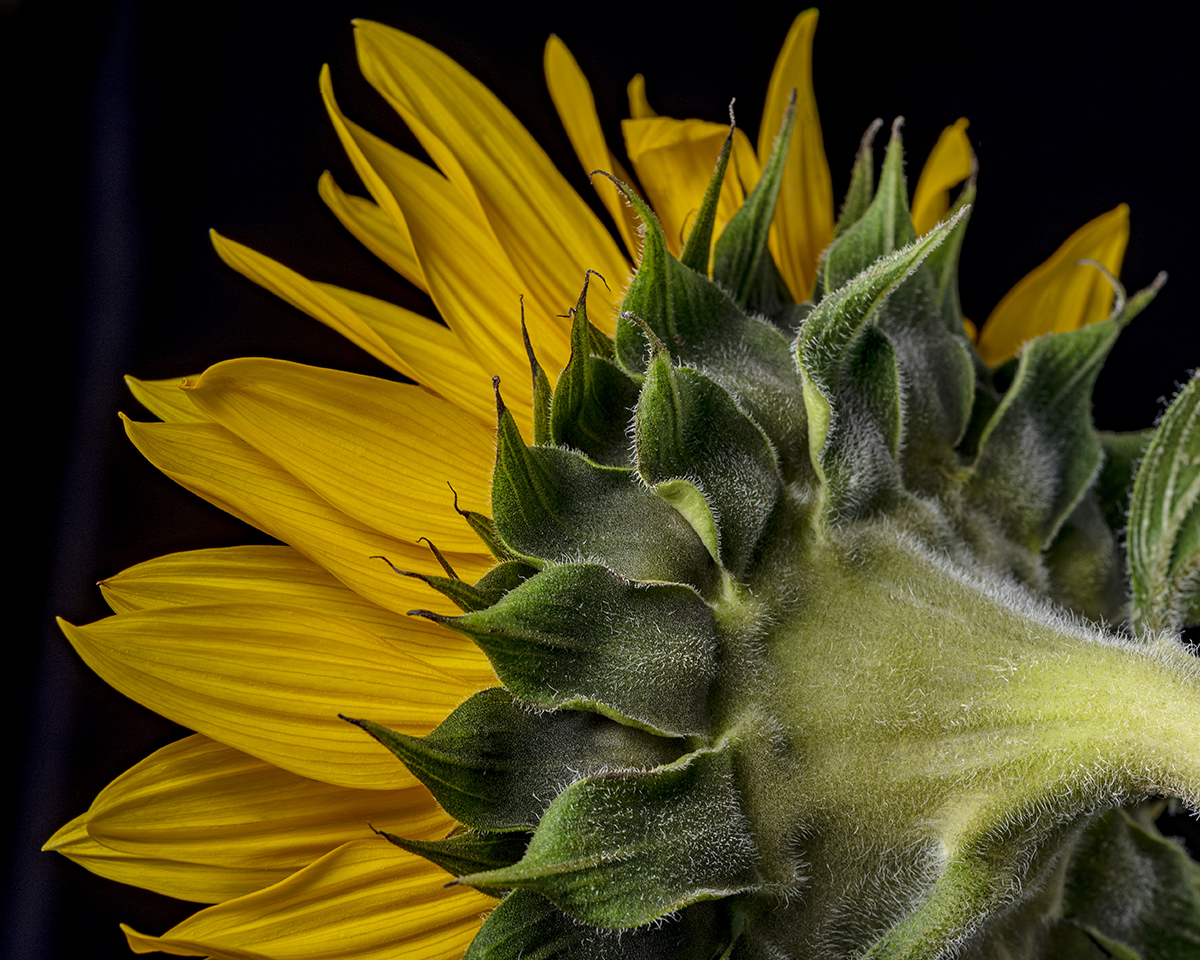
x,y
259,649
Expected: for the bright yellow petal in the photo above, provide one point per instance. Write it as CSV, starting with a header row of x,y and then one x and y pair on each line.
x,y
385,453
367,900
804,214
950,163
165,399
265,574
576,108
639,106
214,464
550,234
471,279
270,681
161,876
374,229
237,823
436,353
1061,294
305,295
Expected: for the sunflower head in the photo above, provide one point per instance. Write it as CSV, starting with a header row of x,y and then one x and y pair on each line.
x,y
778,617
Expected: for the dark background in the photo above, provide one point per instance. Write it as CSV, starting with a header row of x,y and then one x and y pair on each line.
x,y
133,127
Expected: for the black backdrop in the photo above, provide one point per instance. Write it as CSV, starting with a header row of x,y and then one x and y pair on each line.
x,y
135,126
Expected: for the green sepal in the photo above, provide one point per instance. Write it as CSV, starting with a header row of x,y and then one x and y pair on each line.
x,y
699,242
1114,487
621,850
851,385
700,324
742,264
1084,564
542,392
943,264
1039,453
478,596
469,851
593,400
687,427
1128,892
485,529
495,765
557,505
527,926
1164,520
579,636
882,229
862,182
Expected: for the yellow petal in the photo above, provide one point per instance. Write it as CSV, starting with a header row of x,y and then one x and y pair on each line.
x,y
804,214
305,295
576,108
1061,294
949,164
214,464
165,399
439,358
470,277
385,453
367,900
674,160
374,229
550,234
170,877
270,681
639,106
279,574
235,823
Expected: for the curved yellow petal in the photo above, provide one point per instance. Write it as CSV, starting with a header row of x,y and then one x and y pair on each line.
x,y
173,878
576,108
265,574
271,680
470,277
382,452
214,464
440,360
374,229
804,213
236,823
550,234
674,161
165,399
305,295
367,900
639,106
1062,294
950,162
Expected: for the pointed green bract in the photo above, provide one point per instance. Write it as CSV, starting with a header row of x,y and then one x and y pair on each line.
x,y
742,263
622,850
495,765
862,182
579,636
468,852
1164,520
696,251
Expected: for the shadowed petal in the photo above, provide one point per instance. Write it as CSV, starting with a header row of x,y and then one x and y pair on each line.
x,y
1062,294
949,164
576,108
367,900
270,681
804,214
